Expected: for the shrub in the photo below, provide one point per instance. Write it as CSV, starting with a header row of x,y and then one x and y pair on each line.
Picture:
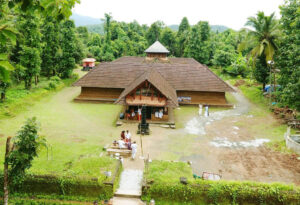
x,y
55,79
62,186
238,67
51,86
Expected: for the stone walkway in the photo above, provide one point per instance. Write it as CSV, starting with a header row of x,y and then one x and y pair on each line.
x,y
130,183
127,201
130,187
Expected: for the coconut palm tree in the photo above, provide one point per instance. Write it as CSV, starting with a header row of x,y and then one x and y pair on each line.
x,y
263,37
260,41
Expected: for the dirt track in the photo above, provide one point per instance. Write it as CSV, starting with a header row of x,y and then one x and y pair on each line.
x,y
237,126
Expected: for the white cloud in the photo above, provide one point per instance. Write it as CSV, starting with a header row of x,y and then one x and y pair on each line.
x,y
231,13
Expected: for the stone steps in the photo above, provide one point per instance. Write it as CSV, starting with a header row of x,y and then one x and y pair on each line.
x,y
127,201
130,189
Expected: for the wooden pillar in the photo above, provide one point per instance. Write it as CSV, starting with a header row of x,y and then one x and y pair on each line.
x,y
152,93
140,94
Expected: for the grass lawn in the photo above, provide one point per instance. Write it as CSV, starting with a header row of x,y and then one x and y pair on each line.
x,y
165,172
19,99
75,132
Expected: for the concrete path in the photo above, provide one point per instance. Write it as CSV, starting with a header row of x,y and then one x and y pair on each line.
x,y
127,201
130,183
130,187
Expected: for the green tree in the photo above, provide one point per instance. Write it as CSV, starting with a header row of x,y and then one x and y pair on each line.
x,y
262,40
5,68
107,53
19,156
68,49
153,33
198,45
107,28
183,26
239,66
261,71
168,39
7,36
263,37
182,34
288,56
50,41
30,47
80,51
225,56
83,34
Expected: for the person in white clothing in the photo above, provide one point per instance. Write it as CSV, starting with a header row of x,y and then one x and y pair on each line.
x,y
121,144
127,136
161,113
156,114
206,114
133,149
139,114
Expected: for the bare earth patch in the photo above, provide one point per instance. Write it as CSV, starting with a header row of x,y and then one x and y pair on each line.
x,y
245,157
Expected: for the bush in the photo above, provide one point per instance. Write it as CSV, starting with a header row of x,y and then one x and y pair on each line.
x,y
238,67
55,79
62,186
163,188
51,86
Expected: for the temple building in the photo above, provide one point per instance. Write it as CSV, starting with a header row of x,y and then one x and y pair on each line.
x,y
155,81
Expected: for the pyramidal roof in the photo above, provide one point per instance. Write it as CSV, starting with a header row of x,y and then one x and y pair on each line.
x,y
157,47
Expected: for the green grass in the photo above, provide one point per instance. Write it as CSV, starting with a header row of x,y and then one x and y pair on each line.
x,y
230,98
19,99
279,146
75,133
183,114
163,171
164,186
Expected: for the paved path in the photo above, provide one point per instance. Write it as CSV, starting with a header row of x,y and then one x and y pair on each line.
x,y
130,183
127,201
130,187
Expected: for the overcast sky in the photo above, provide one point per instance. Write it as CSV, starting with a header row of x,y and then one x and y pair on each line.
x,y
231,13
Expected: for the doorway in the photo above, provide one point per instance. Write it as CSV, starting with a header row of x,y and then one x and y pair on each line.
x,y
148,113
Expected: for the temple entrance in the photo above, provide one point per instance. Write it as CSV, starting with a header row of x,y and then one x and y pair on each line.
x,y
152,113
148,113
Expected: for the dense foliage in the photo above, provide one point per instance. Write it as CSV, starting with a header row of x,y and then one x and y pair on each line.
x,y
30,32
57,45
288,57
26,145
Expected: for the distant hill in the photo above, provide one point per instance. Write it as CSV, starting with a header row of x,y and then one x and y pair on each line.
x,y
219,28
84,20
215,28
96,28
95,25
174,27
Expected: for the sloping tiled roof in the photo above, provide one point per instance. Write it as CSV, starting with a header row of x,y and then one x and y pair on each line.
x,y
184,74
153,77
157,47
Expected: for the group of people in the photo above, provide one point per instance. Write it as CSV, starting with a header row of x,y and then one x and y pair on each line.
x,y
134,115
125,142
159,113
